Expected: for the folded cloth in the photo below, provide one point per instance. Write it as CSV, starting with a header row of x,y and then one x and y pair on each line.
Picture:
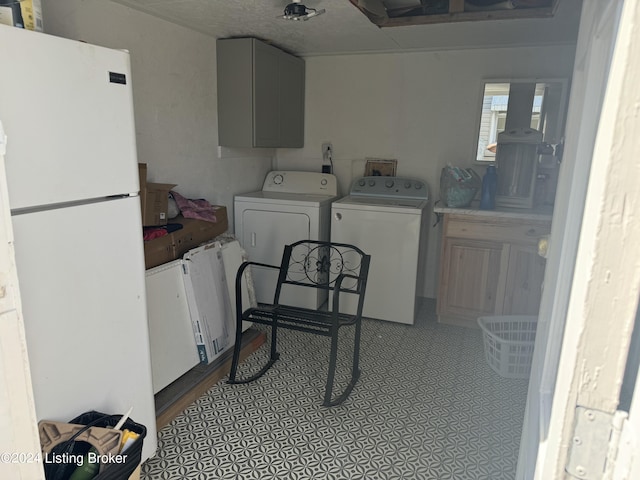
x,y
199,209
154,232
149,233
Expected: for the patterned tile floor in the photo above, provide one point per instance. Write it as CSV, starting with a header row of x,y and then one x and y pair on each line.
x,y
427,406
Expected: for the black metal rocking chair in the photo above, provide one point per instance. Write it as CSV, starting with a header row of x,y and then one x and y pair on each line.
x,y
335,267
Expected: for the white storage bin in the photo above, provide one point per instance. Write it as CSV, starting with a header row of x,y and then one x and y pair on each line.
x,y
508,343
173,345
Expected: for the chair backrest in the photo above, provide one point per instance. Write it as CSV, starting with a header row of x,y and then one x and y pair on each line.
x,y
316,264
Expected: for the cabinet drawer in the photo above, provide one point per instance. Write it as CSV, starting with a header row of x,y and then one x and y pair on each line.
x,y
507,231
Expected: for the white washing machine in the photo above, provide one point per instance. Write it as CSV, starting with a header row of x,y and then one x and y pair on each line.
x,y
291,206
384,216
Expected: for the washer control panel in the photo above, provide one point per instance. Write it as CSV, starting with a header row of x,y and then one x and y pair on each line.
x,y
310,183
398,187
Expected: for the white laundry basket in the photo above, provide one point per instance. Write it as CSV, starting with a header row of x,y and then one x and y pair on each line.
x,y
508,343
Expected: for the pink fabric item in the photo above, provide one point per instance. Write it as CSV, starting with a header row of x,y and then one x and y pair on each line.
x,y
199,209
151,233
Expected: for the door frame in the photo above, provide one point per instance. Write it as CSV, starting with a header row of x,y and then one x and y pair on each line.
x,y
592,303
19,433
606,283
589,82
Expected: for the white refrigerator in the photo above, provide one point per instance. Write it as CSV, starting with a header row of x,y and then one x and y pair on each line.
x,y
67,111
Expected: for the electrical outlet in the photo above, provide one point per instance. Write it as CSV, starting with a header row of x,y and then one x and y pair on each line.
x,y
327,161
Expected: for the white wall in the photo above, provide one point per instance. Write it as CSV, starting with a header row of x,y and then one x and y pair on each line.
x,y
174,92
420,108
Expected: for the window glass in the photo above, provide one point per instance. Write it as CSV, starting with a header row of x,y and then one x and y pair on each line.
x,y
546,113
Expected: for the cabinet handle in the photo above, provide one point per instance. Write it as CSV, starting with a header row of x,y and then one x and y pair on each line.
x,y
531,231
543,246
253,239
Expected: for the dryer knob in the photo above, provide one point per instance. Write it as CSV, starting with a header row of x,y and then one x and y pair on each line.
x,y
362,183
418,186
407,184
372,183
323,182
388,183
278,179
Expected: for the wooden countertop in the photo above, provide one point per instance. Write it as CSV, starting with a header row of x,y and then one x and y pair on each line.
x,y
540,213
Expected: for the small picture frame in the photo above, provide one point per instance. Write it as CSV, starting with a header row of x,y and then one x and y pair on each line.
x,y
377,167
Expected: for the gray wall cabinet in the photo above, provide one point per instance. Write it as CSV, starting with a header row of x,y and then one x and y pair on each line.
x,y
260,95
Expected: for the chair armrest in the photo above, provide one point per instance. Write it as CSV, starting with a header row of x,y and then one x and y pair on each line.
x,y
246,264
243,267
336,290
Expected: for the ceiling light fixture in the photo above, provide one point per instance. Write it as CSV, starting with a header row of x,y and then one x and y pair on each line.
x,y
297,11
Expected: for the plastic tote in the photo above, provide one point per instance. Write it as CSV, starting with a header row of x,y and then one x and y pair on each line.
x,y
73,448
508,343
458,187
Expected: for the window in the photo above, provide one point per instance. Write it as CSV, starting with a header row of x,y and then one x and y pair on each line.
x,y
539,105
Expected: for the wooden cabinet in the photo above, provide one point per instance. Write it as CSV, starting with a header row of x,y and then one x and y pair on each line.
x,y
489,266
525,273
260,95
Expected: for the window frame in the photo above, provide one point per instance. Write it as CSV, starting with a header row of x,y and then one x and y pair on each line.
x,y
553,135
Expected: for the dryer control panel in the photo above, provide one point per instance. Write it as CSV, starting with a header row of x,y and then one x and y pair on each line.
x,y
397,187
310,183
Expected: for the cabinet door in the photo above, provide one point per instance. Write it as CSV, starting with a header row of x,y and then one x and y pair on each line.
x,y
471,279
266,102
260,95
524,281
291,94
235,92
265,235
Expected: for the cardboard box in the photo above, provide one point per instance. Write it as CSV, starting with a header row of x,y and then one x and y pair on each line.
x,y
155,201
142,173
196,232
158,251
209,303
11,14
193,233
32,14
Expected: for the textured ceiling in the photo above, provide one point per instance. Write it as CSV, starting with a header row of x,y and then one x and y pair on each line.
x,y
344,29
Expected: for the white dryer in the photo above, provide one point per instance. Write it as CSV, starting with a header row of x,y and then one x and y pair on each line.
x,y
291,206
384,216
